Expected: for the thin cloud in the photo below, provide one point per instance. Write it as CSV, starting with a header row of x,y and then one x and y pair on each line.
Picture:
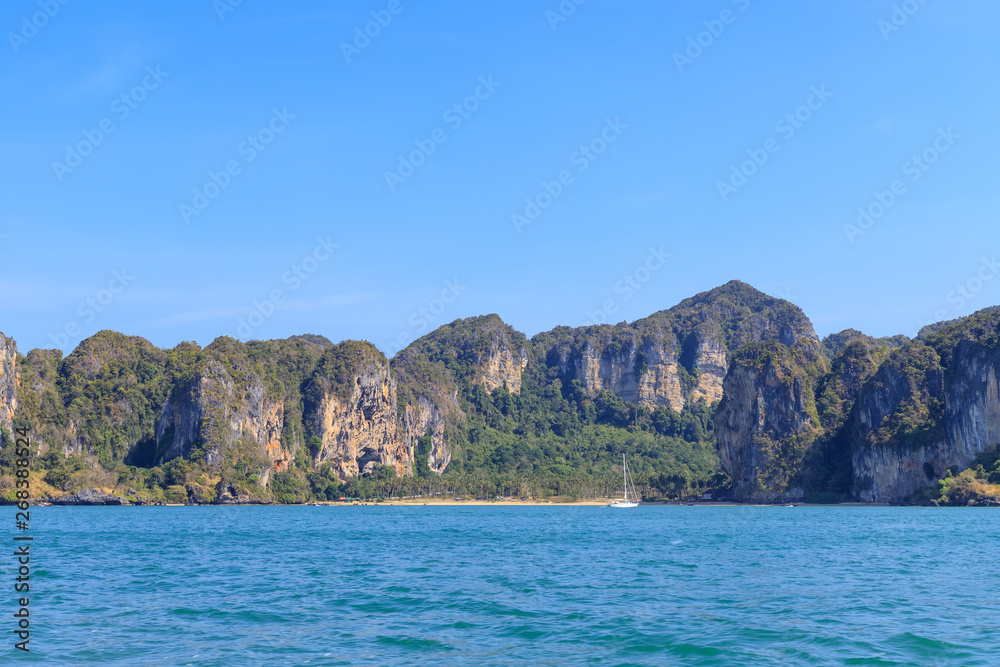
x,y
199,315
330,301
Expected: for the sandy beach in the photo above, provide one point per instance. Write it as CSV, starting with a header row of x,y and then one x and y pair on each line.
x,y
512,503
452,501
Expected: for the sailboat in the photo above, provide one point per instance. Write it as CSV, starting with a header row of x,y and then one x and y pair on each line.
x,y
625,502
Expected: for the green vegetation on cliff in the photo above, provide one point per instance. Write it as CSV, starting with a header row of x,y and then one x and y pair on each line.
x,y
737,313
551,429
497,413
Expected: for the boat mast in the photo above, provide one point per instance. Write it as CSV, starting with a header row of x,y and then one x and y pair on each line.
x,y
625,477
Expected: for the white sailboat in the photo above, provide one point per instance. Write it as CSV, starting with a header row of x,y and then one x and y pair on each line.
x,y
625,502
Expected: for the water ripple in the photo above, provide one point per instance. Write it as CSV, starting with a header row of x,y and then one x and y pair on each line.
x,y
511,586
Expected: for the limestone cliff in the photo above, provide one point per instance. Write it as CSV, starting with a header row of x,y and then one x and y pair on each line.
x,y
713,325
711,365
930,407
431,370
889,417
601,364
659,381
675,356
423,416
9,381
351,409
215,415
618,359
502,362
972,399
285,365
855,357
766,422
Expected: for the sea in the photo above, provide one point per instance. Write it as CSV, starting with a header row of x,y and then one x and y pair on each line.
x,y
507,585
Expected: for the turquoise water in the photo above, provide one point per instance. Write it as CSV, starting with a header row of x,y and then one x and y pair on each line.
x,y
512,586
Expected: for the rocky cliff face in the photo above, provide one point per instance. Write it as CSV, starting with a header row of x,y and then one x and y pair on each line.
x,y
659,383
475,351
9,381
972,399
712,365
637,370
237,404
214,412
766,423
855,359
676,356
646,370
922,414
502,363
424,416
232,403
353,412
890,417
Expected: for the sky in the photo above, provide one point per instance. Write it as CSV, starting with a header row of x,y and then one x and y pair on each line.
x,y
375,169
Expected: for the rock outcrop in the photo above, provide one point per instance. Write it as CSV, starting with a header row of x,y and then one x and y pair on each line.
x,y
659,381
642,370
766,422
229,494
929,408
214,412
855,360
228,410
91,496
676,356
711,366
424,416
887,419
475,351
9,381
352,411
503,361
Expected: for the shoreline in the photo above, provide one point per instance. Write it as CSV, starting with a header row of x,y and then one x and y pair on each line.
x,y
430,502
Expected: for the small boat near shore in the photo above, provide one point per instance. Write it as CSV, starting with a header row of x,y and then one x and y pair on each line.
x,y
625,503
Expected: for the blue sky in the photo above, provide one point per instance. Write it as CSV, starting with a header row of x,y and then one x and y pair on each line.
x,y
96,236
